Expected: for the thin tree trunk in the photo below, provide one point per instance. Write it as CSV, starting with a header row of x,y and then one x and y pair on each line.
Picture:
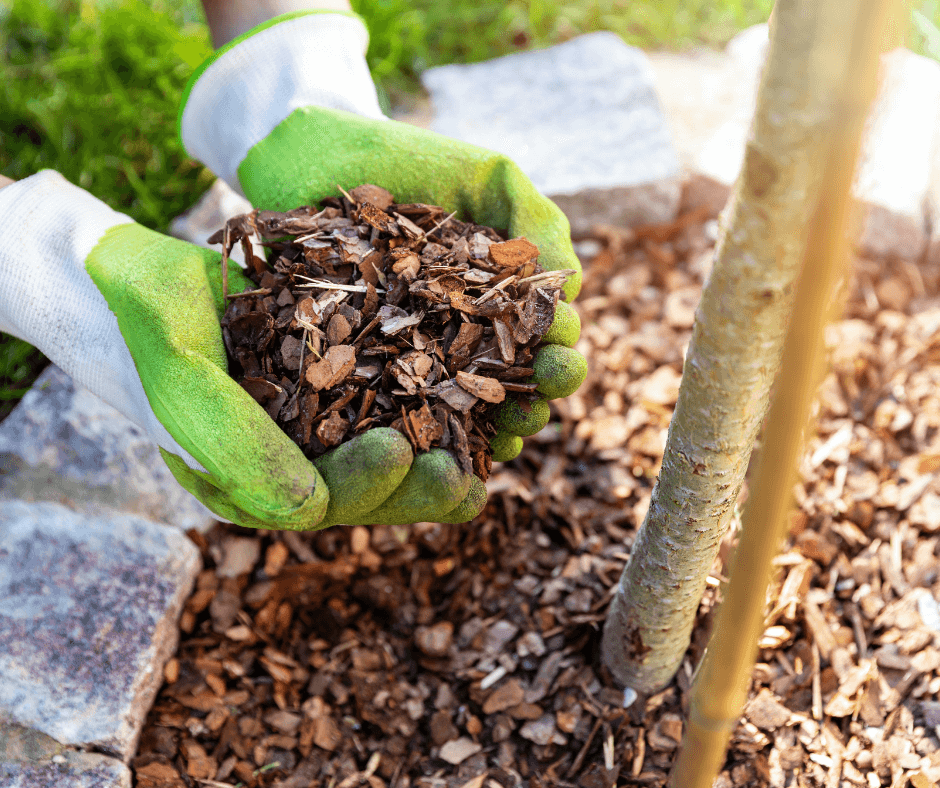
x,y
734,354
722,680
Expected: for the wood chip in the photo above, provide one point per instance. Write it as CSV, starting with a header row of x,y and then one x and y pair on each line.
x,y
514,253
485,388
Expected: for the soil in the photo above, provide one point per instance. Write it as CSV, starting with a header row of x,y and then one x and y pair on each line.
x,y
466,656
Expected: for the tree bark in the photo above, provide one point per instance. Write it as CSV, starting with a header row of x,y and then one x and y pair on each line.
x,y
734,354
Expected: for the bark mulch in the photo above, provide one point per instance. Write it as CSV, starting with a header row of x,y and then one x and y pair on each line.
x,y
466,656
369,313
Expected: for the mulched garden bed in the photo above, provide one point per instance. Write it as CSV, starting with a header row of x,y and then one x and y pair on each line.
x,y
466,656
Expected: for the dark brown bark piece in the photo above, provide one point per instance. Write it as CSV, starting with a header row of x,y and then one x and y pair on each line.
x,y
467,339
291,351
461,445
424,427
456,396
338,330
377,218
504,338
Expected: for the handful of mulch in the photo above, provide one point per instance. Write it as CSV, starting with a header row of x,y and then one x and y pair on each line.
x,y
369,313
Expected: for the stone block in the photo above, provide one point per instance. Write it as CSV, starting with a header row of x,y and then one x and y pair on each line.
x,y
888,234
898,178
721,153
627,206
903,135
30,759
582,120
88,617
701,193
64,444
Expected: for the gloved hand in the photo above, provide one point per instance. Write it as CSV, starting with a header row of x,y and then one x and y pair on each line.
x,y
134,317
288,112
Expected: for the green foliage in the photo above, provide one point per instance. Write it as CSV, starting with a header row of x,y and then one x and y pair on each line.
x,y
925,28
20,363
92,90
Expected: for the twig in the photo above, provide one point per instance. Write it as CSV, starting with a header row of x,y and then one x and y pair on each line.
x,y
548,275
495,289
579,758
440,224
303,346
260,291
324,285
226,240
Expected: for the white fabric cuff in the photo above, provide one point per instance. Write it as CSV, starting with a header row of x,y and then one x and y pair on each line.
x,y
48,227
311,60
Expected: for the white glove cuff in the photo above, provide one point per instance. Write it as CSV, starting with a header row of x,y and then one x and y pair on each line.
x,y
48,227
311,60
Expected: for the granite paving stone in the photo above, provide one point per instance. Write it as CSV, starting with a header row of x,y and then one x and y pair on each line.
x,y
30,759
582,120
88,617
64,444
898,178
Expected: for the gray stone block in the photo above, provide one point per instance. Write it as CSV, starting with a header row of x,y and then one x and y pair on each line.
x,y
29,759
64,444
898,172
581,119
88,618
627,206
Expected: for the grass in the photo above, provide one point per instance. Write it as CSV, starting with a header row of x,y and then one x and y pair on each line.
x,y
411,35
91,91
91,87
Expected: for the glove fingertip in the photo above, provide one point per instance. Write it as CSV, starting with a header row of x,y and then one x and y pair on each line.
x,y
513,418
470,506
364,472
565,328
505,446
559,370
434,486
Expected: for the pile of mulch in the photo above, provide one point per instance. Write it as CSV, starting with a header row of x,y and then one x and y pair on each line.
x,y
369,313
466,656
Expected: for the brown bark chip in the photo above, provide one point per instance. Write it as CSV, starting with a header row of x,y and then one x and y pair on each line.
x,y
482,387
375,314
511,254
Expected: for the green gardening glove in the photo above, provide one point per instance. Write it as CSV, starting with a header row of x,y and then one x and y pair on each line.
x,y
301,119
133,316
